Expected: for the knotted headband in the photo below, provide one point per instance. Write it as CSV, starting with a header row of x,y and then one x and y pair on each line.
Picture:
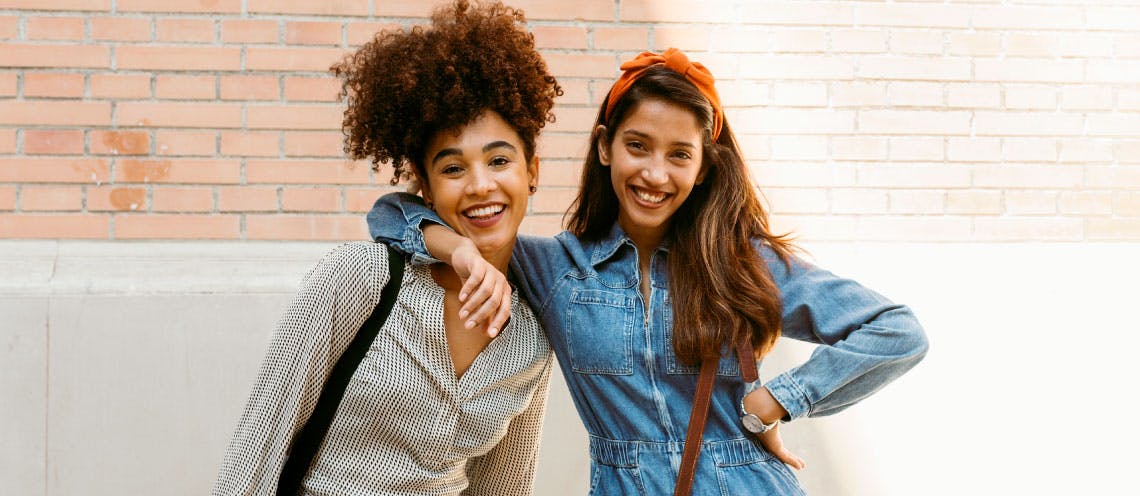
x,y
676,60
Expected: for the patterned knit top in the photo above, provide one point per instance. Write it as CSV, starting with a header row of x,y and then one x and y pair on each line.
x,y
406,424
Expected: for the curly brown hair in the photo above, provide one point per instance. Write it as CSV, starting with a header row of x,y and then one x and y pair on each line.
x,y
406,85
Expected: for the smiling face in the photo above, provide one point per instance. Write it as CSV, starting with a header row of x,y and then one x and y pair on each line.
x,y
655,161
479,180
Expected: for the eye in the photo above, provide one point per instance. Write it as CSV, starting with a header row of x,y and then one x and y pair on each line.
x,y
682,155
635,145
499,161
451,170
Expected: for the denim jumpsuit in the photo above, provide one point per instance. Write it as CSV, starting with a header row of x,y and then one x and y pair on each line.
x,y
631,391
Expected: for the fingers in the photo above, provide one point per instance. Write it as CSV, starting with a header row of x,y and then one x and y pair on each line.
x,y
474,294
473,275
772,442
790,459
501,315
485,297
494,311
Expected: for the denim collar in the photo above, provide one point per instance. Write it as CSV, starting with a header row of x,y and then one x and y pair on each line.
x,y
608,246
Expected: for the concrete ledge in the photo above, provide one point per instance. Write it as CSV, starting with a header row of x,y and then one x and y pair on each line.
x,y
154,267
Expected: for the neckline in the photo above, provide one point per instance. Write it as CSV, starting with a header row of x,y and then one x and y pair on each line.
x,y
472,378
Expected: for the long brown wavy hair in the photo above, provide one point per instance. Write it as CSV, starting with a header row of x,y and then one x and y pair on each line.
x,y
728,294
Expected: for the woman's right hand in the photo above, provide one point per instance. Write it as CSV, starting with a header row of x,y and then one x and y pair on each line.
x,y
485,295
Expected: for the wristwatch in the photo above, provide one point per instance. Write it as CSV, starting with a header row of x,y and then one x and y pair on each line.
x,y
753,423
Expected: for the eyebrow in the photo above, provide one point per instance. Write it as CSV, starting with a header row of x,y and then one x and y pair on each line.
x,y
499,144
447,152
644,136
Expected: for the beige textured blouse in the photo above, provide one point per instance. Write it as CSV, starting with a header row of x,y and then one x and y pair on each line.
x,y
406,425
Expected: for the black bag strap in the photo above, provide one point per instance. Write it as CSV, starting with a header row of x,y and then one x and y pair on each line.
x,y
309,438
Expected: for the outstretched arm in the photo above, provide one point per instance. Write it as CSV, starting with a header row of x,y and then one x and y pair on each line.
x,y
402,220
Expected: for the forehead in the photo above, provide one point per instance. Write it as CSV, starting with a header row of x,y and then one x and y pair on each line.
x,y
488,127
662,119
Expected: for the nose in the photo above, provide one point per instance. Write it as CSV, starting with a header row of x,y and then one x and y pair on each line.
x,y
480,182
654,171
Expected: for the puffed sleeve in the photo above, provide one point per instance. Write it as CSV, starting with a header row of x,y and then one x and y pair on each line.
x,y
317,326
865,340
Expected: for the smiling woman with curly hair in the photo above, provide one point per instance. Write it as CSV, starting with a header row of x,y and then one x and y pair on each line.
x,y
428,407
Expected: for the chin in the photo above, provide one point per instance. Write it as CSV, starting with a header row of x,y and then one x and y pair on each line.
x,y
489,245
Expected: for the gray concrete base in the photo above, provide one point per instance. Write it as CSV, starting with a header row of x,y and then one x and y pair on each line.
x,y
123,368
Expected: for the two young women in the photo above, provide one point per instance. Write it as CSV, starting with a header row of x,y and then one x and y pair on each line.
x,y
431,409
669,264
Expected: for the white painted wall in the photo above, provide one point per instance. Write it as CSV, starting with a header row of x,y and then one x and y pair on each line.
x,y
123,367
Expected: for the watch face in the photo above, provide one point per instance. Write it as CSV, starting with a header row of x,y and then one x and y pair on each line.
x,y
753,423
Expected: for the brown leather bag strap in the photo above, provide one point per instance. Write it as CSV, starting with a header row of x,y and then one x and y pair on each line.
x,y
697,420
700,413
744,355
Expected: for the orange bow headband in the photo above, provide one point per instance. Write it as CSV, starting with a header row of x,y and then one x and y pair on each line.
x,y
676,60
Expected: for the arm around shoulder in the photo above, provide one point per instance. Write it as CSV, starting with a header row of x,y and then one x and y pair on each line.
x,y
398,219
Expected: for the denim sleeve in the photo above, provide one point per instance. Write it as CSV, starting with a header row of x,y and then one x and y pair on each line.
x,y
866,341
397,219
539,263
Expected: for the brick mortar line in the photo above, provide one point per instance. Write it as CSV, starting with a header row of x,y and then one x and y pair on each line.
x,y
855,9
345,20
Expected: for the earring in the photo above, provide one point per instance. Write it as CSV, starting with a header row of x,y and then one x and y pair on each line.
x,y
533,188
430,206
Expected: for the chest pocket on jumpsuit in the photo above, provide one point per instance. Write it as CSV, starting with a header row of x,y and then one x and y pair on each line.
x,y
727,367
600,331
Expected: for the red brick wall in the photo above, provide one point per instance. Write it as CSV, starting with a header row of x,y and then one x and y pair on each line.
x,y
986,121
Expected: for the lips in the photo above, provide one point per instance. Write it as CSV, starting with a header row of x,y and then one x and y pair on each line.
x,y
485,215
484,211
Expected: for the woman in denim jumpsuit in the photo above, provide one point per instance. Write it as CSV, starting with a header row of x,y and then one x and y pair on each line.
x,y
609,316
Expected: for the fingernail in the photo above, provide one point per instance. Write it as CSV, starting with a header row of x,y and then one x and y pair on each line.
x,y
470,324
462,296
493,332
463,314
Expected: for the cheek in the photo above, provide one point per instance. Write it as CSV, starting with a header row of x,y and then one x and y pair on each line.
x,y
616,180
685,181
441,197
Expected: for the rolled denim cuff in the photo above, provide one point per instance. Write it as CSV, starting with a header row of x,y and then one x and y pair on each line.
x,y
414,240
790,395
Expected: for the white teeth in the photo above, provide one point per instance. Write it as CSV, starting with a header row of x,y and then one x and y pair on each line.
x,y
654,198
484,211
